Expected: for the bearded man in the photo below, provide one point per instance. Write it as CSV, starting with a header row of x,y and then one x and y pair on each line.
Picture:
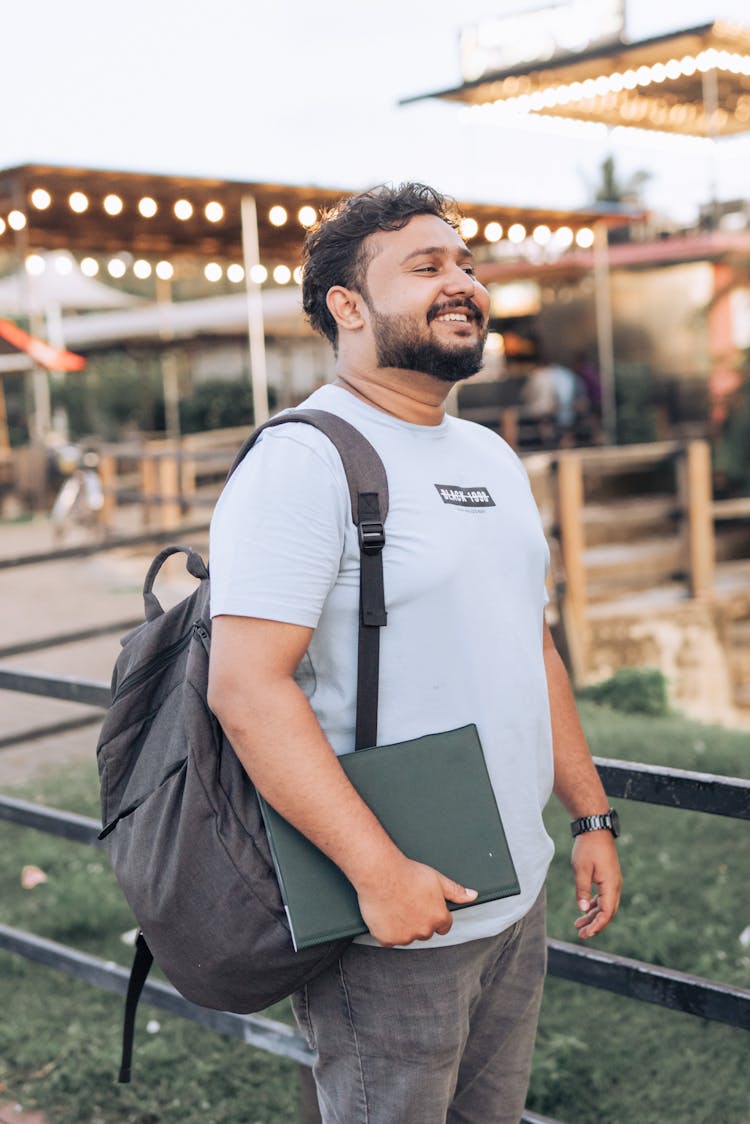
x,y
431,1017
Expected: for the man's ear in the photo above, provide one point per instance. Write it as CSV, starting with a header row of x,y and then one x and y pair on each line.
x,y
345,306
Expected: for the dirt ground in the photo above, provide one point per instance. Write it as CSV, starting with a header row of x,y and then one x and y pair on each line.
x,y
51,598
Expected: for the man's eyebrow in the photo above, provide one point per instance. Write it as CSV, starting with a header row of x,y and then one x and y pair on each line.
x,y
426,251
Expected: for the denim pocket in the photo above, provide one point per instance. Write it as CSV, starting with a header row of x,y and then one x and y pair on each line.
x,y
301,1009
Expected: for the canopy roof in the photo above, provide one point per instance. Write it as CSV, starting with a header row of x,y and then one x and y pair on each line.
x,y
59,285
695,82
39,202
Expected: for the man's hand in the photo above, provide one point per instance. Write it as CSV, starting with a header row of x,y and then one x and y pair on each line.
x,y
407,902
594,861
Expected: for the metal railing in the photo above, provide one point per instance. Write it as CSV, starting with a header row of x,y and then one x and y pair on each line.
x,y
680,991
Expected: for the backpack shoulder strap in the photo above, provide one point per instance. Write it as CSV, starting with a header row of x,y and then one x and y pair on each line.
x,y
363,467
368,494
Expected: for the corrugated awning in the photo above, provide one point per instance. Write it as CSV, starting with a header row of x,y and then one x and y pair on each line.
x,y
695,82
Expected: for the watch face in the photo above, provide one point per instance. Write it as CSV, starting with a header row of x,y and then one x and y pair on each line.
x,y
615,822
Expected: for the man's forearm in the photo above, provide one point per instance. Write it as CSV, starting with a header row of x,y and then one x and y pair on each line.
x,y
577,782
278,740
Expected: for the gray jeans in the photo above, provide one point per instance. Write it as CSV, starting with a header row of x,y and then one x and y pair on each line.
x,y
430,1036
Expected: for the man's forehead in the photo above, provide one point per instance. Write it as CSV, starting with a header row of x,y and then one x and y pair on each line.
x,y
427,233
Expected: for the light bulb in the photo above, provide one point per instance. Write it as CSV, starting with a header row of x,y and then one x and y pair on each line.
x,y
113,205
41,198
78,202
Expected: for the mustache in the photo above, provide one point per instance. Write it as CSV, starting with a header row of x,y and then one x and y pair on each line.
x,y
464,303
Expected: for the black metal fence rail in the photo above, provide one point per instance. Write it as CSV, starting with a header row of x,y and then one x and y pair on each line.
x,y
676,788
91,632
256,1030
650,784
622,975
117,542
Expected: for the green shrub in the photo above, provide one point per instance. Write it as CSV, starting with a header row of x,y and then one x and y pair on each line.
x,y
634,690
217,404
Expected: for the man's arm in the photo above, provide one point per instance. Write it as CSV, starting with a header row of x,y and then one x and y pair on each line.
x,y
278,739
579,788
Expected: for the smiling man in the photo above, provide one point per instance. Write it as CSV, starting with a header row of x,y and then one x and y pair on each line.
x,y
432,1016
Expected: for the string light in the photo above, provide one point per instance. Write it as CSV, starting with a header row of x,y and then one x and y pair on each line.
x,y
522,99
235,273
78,202
307,216
468,227
41,198
89,267
517,233
113,205
214,211
142,269
63,264
147,207
541,234
164,270
493,232
16,220
563,237
213,271
183,209
282,274
258,274
35,265
2,226
116,268
277,216
297,275
585,238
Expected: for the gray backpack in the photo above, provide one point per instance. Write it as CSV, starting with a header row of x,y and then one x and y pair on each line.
x,y
180,815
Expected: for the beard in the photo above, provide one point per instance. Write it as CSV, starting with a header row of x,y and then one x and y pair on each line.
x,y
401,342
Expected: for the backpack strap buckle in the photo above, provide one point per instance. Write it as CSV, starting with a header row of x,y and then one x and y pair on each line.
x,y
371,537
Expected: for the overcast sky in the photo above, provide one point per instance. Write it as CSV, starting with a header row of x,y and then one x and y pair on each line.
x,y
305,91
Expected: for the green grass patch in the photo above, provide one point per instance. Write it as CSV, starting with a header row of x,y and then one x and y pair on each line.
x,y
598,1056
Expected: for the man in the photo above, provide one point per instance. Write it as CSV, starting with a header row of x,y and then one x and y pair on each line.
x,y
432,1018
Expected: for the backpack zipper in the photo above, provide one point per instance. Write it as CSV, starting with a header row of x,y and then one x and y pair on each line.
x,y
143,673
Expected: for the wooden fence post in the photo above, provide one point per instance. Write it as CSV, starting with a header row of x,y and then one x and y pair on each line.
x,y
148,485
697,498
572,544
169,490
108,478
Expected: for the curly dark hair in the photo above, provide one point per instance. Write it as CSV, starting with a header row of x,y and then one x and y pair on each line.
x,y
334,253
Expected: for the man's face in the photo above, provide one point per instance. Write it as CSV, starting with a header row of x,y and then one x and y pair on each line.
x,y
427,311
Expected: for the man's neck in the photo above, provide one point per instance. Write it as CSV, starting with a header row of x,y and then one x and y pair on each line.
x,y
408,395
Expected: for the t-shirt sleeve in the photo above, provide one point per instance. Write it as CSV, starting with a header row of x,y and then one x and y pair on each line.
x,y
277,533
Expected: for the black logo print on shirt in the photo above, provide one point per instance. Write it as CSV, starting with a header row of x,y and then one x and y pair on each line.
x,y
465,497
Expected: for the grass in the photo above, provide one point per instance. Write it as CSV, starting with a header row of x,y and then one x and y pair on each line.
x,y
598,1056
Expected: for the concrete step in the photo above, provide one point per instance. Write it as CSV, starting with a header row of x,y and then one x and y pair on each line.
x,y
629,519
615,568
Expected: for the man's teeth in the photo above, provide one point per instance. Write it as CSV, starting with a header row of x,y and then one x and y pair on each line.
x,y
459,316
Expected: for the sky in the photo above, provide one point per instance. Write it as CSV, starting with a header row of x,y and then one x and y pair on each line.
x,y
294,91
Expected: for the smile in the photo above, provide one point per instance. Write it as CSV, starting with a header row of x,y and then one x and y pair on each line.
x,y
458,317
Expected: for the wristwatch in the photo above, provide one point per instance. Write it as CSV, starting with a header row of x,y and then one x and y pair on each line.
x,y
609,820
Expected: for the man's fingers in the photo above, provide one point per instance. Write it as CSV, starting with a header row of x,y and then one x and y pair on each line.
x,y
453,892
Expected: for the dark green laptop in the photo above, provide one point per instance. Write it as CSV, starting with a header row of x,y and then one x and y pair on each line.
x,y
434,798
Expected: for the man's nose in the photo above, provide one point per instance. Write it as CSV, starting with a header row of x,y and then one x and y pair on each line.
x,y
457,280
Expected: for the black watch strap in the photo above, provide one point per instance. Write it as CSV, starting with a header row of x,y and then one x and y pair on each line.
x,y
608,820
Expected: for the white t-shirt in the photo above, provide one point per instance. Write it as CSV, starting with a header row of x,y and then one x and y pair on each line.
x,y
464,571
